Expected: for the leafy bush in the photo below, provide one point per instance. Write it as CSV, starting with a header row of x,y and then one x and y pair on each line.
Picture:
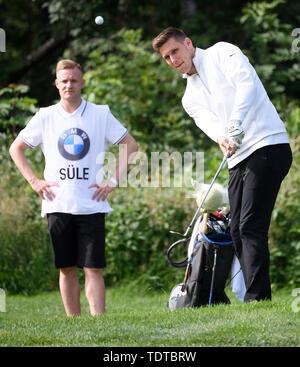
x,y
270,47
138,234
142,91
24,246
25,255
15,107
284,230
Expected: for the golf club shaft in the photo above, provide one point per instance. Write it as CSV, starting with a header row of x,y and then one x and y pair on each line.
x,y
212,278
205,196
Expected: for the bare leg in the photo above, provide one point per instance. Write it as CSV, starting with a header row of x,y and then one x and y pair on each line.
x,y
95,290
70,290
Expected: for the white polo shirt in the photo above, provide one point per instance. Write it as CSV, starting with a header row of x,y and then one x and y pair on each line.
x,y
71,144
226,87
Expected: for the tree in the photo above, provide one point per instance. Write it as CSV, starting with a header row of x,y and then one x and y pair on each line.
x,y
270,47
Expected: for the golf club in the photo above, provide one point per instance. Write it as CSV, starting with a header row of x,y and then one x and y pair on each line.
x,y
204,198
213,277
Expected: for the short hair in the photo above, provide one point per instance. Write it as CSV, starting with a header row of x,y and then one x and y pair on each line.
x,y
166,34
67,64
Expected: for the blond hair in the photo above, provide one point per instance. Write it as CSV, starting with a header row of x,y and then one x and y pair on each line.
x,y
67,64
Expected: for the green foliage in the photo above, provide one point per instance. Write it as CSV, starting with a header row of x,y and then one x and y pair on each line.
x,y
284,231
270,47
26,259
143,92
138,235
15,107
45,29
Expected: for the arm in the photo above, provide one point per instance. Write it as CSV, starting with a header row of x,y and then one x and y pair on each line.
x,y
105,188
241,76
209,123
17,153
205,119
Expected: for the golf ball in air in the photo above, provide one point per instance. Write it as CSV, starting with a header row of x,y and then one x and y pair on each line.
x,y
99,20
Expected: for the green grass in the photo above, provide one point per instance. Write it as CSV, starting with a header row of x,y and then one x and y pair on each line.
x,y
141,319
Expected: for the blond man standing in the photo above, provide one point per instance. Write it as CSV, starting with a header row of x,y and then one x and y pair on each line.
x,y
71,135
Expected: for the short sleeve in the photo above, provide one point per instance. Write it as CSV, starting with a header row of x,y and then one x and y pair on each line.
x,y
32,133
115,131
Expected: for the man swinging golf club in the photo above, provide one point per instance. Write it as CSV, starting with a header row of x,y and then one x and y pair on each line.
x,y
228,102
72,135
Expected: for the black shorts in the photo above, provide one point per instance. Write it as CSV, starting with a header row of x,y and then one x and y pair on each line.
x,y
77,240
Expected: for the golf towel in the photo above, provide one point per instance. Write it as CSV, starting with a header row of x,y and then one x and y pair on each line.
x,y
237,280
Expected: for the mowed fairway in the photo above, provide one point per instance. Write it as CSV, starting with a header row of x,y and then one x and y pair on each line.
x,y
140,319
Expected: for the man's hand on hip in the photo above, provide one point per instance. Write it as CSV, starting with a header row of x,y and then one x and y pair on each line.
x,y
103,190
43,188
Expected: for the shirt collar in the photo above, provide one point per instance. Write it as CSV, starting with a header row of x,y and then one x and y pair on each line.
x,y
78,111
197,61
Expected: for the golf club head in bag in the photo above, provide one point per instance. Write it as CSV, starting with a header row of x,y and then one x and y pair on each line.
x,y
218,223
203,197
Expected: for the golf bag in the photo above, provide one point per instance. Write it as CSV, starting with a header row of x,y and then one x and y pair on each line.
x,y
208,265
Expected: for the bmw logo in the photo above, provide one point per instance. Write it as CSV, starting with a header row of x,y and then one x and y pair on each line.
x,y
73,144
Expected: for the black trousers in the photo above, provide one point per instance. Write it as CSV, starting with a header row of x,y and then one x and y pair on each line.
x,y
253,187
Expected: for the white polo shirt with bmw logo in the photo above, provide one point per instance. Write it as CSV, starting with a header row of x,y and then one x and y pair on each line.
x,y
72,144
